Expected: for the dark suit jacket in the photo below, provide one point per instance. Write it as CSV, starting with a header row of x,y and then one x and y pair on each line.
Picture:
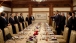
x,y
29,20
63,18
3,23
58,20
69,24
11,21
74,23
16,19
21,19
7,19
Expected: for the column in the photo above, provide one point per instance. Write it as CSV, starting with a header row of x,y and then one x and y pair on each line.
x,y
50,13
30,9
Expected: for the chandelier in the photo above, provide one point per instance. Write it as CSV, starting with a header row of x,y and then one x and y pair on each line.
x,y
38,0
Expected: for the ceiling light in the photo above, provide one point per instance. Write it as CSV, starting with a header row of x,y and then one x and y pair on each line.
x,y
38,0
1,9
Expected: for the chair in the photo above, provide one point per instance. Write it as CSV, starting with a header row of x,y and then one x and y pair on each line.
x,y
17,29
26,23
53,29
53,23
63,38
21,26
10,29
1,37
6,30
65,33
7,34
33,21
72,37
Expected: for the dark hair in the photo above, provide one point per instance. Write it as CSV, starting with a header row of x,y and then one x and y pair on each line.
x,y
10,14
73,13
2,14
70,13
57,11
20,13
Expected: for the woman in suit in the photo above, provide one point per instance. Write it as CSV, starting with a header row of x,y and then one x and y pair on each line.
x,y
12,22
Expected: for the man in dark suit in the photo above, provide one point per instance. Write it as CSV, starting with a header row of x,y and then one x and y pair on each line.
x,y
29,20
73,21
69,25
12,22
17,21
58,21
3,23
21,19
32,17
63,18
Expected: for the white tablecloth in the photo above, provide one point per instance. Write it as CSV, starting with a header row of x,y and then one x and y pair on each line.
x,y
30,32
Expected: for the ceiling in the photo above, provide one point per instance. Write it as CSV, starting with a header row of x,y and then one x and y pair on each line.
x,y
30,1
25,3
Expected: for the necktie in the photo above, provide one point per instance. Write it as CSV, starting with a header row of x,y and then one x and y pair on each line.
x,y
5,19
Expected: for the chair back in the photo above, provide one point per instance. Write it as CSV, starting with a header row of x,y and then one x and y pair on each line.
x,y
10,29
16,27
7,34
73,37
6,30
21,27
65,33
26,23
1,37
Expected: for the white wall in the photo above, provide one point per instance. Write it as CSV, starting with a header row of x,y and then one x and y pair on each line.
x,y
20,9
62,9
6,8
40,9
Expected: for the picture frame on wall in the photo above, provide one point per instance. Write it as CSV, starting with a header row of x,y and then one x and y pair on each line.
x,y
41,16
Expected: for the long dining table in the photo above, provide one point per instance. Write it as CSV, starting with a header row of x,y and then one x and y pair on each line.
x,y
45,34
